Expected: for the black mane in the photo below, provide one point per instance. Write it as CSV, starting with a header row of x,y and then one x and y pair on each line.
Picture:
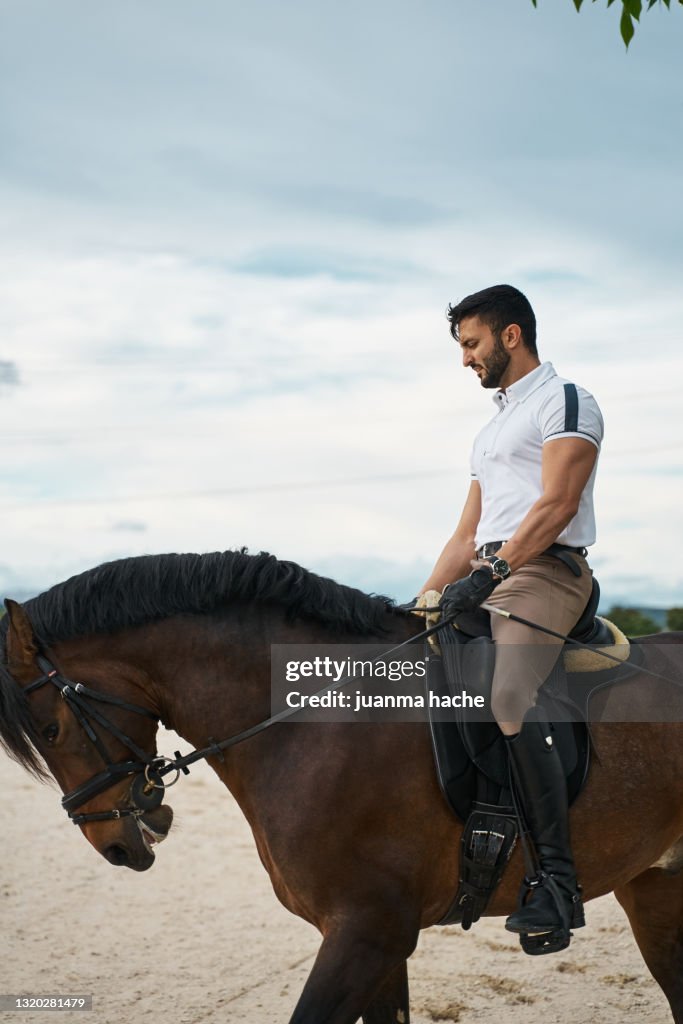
x,y
135,591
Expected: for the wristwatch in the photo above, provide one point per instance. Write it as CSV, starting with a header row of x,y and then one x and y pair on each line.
x,y
500,568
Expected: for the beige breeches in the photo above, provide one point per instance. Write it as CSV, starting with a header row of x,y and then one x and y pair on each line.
x,y
543,591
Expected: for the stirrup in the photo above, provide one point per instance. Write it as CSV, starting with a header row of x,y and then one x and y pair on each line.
x,y
556,939
547,942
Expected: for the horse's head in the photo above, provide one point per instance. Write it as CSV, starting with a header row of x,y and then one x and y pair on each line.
x,y
85,719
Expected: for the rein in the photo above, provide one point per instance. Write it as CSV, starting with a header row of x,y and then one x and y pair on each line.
x,y
148,787
149,770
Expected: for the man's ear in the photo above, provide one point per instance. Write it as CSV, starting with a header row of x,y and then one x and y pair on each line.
x,y
512,336
21,642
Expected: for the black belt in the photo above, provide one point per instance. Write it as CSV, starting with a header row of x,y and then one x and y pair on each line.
x,y
561,551
486,550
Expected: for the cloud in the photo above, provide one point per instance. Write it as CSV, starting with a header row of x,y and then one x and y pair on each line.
x,y
9,374
129,526
396,578
293,262
227,271
330,424
388,210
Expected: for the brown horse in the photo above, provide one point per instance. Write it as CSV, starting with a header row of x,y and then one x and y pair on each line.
x,y
348,818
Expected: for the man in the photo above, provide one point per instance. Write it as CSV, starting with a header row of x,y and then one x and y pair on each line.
x,y
533,468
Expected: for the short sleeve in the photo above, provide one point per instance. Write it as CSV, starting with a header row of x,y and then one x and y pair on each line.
x,y
571,412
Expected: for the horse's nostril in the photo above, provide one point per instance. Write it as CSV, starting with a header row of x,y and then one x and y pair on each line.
x,y
117,855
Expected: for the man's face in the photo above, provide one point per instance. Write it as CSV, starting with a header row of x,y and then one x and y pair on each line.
x,y
483,351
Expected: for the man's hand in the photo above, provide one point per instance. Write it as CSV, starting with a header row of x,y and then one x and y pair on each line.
x,y
467,594
424,605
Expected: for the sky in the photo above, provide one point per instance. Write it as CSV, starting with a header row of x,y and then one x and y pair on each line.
x,y
229,236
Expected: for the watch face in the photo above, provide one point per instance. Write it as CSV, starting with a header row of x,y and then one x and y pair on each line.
x,y
501,568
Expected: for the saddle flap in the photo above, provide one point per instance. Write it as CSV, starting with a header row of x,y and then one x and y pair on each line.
x,y
470,756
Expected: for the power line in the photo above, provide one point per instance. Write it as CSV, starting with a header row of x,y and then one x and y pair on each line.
x,y
130,431
301,485
272,488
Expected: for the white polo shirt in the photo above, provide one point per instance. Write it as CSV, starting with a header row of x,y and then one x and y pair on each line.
x,y
507,453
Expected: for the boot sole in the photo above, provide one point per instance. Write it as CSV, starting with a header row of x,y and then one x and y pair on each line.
x,y
577,921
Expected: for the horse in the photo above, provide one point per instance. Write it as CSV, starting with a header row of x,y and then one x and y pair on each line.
x,y
348,817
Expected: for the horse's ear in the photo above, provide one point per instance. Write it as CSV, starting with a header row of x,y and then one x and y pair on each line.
x,y
21,642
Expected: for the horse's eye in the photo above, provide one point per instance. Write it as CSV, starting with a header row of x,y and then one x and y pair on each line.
x,y
50,732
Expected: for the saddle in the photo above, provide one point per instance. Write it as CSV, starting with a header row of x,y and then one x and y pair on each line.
x,y
470,755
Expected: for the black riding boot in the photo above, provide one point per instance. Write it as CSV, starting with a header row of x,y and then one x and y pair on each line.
x,y
555,901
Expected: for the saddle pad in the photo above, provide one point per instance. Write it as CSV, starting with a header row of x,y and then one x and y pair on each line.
x,y
577,659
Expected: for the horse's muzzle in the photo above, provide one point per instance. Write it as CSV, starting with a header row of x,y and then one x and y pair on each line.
x,y
135,846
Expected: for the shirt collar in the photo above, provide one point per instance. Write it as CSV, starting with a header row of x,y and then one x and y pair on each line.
x,y
525,386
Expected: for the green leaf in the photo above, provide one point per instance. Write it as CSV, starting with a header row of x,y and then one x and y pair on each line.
x,y
577,4
633,8
627,29
534,2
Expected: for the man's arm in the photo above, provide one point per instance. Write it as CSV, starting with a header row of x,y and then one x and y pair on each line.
x,y
567,465
454,561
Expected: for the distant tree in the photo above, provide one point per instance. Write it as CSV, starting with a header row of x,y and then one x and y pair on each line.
x,y
631,621
630,12
674,619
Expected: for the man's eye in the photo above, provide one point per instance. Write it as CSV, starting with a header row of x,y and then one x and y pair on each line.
x,y
50,732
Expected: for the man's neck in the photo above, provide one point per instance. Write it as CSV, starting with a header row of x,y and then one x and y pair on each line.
x,y
517,369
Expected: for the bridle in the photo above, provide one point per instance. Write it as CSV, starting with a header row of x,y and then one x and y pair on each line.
x,y
147,790
149,770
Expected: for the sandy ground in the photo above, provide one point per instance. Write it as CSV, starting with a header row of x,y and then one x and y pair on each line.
x,y
201,937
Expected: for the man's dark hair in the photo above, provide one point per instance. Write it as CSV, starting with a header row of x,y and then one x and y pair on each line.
x,y
497,307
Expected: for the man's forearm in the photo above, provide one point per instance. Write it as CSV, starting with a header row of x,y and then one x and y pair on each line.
x,y
540,528
452,564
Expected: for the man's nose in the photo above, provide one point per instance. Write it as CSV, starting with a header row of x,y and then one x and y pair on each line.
x,y
467,357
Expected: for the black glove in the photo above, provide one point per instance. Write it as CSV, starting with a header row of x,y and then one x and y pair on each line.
x,y
467,594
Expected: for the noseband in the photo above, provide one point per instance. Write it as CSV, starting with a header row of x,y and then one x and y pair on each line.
x,y
147,790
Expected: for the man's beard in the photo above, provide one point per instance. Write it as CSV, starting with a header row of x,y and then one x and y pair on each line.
x,y
495,366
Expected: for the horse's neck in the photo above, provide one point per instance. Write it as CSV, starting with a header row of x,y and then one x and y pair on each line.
x,y
207,676
214,675
209,679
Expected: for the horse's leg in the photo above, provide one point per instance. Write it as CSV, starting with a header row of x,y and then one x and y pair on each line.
x,y
391,1005
653,902
354,975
